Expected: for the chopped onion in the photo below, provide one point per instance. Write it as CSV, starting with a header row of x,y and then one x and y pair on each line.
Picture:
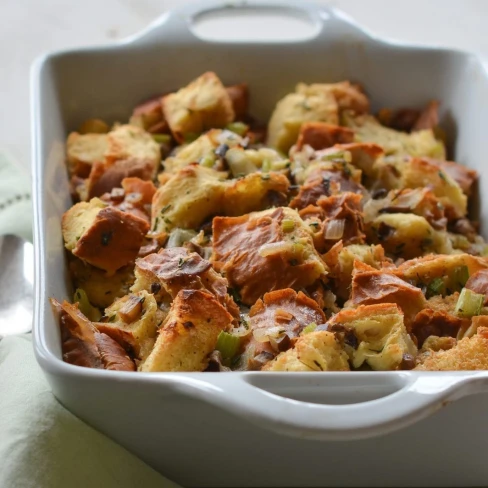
x,y
274,248
263,334
239,163
179,236
335,229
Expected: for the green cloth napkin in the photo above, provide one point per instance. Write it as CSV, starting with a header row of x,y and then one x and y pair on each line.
x,y
43,445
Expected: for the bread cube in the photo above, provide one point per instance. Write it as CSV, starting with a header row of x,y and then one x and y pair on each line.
x,y
102,235
189,333
203,104
83,150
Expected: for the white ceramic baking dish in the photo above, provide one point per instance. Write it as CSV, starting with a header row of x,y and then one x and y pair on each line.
x,y
258,429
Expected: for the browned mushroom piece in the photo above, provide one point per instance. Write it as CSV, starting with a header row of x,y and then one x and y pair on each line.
x,y
478,283
84,345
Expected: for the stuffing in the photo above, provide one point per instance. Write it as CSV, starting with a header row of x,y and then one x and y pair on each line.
x,y
464,177
134,197
205,150
83,150
130,142
450,268
83,345
277,320
325,179
104,178
370,286
382,339
256,191
348,96
133,321
169,271
406,235
189,333
470,353
203,104
295,109
320,135
149,116
315,351
417,144
418,201
102,235
190,196
265,251
101,290
340,260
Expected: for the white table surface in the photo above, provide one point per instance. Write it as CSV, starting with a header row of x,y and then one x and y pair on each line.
x,y
31,27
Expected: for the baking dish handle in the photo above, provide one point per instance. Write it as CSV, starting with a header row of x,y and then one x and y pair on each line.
x,y
178,23
421,395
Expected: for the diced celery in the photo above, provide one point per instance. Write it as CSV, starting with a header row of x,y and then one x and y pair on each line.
x,y
162,138
228,344
239,128
266,166
469,303
309,328
208,161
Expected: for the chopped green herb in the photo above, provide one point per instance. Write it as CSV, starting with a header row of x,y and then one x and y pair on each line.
x,y
190,137
167,221
293,262
314,225
442,176
181,261
156,222
435,287
165,208
234,293
112,318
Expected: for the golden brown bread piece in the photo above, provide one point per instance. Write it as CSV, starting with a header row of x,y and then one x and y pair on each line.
x,y
103,236
149,116
340,260
370,285
239,96
265,251
470,353
463,176
172,270
320,135
103,178
325,179
285,313
83,150
101,289
201,105
190,196
316,351
422,271
133,321
84,345
428,117
255,191
189,333
418,201
382,340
